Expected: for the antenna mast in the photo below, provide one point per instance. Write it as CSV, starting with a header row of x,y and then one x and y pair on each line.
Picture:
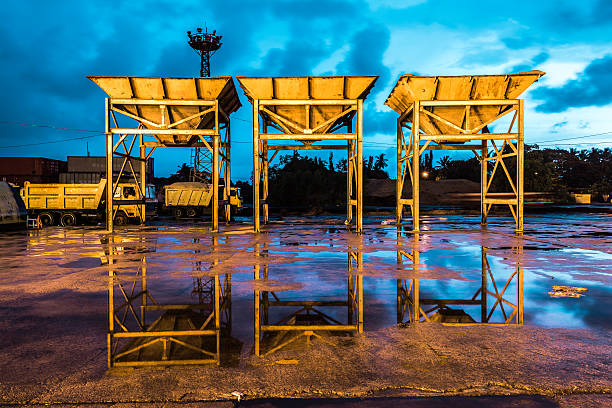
x,y
205,44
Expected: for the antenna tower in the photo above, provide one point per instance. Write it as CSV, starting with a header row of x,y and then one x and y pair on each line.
x,y
205,44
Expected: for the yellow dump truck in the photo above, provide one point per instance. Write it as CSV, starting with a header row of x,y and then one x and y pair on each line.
x,y
73,204
188,199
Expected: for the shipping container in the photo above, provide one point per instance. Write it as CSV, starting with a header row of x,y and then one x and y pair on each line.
x,y
81,178
97,164
31,166
17,170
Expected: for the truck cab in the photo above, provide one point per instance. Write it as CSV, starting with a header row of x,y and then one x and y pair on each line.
x,y
130,211
235,199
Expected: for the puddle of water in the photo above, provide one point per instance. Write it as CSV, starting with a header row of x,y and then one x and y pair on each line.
x,y
314,266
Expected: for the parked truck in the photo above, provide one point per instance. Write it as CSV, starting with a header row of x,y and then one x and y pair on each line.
x,y
188,199
73,204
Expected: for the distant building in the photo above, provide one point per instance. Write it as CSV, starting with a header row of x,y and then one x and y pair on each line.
x,y
90,169
76,170
18,170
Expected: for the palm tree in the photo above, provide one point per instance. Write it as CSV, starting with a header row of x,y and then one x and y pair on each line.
x,y
444,162
381,162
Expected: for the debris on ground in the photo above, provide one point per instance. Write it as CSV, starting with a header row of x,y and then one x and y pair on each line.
x,y
238,395
567,291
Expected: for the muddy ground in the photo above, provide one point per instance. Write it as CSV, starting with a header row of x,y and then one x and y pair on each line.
x,y
53,325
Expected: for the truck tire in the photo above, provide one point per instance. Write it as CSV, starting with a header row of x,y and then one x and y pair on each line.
x,y
68,220
191,212
46,218
120,219
178,212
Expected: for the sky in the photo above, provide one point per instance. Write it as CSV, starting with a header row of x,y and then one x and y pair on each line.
x,y
50,109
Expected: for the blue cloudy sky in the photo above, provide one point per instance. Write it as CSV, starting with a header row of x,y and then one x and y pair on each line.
x,y
48,47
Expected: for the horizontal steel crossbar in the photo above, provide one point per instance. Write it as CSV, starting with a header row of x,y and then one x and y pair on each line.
x,y
167,102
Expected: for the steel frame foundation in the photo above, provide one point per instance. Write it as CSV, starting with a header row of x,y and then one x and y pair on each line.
x,y
264,142
410,304
263,303
177,328
505,145
215,138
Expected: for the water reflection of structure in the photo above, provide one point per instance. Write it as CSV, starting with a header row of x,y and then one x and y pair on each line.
x,y
492,312
309,318
179,333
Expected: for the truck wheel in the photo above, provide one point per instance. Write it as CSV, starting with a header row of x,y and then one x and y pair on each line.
x,y
120,219
68,220
191,212
178,212
46,219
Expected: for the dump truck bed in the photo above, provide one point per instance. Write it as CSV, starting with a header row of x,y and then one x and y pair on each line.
x,y
63,196
188,194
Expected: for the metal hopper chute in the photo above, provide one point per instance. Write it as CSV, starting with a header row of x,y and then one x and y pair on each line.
x,y
280,100
443,119
172,104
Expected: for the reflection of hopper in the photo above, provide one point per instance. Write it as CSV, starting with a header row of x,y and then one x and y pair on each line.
x,y
410,88
178,96
450,316
291,340
294,118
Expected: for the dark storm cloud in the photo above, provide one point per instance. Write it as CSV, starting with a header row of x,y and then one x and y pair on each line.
x,y
570,17
593,87
298,58
365,56
561,22
49,49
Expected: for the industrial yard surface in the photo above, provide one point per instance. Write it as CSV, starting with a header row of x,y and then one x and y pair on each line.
x,y
54,319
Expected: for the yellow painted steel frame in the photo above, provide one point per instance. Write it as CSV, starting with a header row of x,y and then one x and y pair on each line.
x,y
216,139
505,146
264,142
263,303
130,334
410,304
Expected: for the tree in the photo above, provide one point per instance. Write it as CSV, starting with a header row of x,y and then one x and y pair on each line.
x,y
381,162
444,163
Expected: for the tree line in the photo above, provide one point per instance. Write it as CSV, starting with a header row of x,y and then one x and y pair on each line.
x,y
301,181
556,171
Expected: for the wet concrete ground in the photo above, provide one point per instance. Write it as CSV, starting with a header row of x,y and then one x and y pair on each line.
x,y
53,311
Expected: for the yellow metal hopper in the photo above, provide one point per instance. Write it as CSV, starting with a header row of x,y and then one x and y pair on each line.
x,y
174,94
410,88
293,118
